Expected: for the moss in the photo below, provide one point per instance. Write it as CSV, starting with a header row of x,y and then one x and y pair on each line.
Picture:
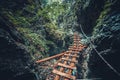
x,y
32,50
57,33
31,20
53,11
23,18
36,42
24,30
103,14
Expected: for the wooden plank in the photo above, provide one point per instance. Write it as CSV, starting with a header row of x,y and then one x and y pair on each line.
x,y
75,61
72,51
63,74
57,77
72,64
52,57
71,55
76,42
75,49
74,46
70,48
76,52
66,66
78,39
69,51
79,49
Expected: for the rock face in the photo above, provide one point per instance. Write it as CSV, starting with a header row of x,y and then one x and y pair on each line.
x,y
15,61
108,45
88,11
101,19
27,23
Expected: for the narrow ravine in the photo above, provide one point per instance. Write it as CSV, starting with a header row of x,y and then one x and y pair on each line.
x,y
36,29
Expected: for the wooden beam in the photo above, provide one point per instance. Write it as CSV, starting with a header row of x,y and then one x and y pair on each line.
x,y
72,64
75,61
66,66
49,58
61,69
63,74
71,55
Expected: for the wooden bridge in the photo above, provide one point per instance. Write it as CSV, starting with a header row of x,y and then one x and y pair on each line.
x,y
65,68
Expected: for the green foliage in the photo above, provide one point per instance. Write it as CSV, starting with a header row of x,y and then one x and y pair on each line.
x,y
37,41
34,41
23,18
24,30
16,19
105,11
32,50
34,37
52,11
27,22
54,31
103,14
30,8
51,26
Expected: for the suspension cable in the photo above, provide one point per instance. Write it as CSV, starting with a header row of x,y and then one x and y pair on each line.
x,y
109,65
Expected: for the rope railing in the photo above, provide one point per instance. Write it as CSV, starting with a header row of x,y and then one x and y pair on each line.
x,y
106,62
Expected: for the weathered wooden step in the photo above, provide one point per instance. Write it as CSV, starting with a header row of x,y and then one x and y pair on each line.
x,y
70,51
66,66
79,49
92,79
63,74
72,46
69,60
71,55
76,39
76,42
